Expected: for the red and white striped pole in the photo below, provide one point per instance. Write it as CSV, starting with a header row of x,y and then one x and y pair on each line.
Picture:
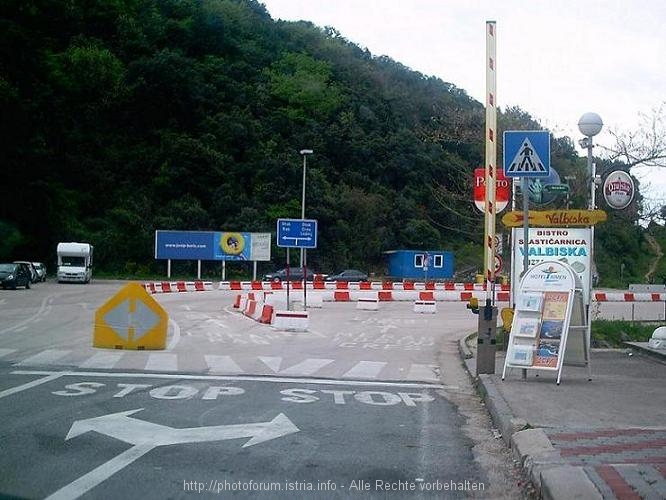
x,y
491,159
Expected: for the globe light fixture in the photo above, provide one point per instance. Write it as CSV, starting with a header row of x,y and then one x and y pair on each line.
x,y
590,124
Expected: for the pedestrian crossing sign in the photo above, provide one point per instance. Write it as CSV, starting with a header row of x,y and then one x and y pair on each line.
x,y
526,153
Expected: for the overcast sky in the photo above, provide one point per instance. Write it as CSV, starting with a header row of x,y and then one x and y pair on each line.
x,y
556,59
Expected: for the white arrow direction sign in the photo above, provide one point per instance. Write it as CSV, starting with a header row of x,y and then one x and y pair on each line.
x,y
144,436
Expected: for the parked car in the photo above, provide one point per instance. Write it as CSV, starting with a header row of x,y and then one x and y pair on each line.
x,y
13,275
33,272
41,271
295,274
348,275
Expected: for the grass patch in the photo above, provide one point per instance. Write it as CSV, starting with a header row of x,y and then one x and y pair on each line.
x,y
606,333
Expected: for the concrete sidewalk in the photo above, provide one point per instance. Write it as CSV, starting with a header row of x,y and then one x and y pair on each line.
x,y
584,439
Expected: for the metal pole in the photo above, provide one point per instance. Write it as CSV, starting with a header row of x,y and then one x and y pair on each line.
x,y
305,165
288,279
491,161
305,153
591,169
486,338
526,233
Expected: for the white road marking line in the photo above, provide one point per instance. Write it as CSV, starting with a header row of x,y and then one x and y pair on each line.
x,y
102,360
176,335
422,372
47,357
241,378
5,352
48,378
162,362
304,368
365,369
222,364
217,322
88,481
22,328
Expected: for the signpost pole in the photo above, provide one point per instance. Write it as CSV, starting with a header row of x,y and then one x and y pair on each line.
x,y
288,279
526,213
305,280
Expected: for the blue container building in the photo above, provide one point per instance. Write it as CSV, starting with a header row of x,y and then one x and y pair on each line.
x,y
420,264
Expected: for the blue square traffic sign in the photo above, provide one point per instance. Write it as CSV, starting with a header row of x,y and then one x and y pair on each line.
x,y
526,153
297,233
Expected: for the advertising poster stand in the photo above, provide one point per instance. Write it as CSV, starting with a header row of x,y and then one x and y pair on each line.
x,y
550,327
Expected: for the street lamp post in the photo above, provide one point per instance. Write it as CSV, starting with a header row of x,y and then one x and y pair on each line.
x,y
590,124
304,153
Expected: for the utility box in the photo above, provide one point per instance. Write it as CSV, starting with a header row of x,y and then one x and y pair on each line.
x,y
486,340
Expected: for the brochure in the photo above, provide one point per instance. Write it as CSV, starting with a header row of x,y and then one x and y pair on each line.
x,y
526,327
530,302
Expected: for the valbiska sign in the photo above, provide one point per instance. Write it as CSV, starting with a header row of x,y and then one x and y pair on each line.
x,y
555,218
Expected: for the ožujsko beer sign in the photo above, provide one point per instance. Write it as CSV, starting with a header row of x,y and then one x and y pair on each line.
x,y
618,189
555,218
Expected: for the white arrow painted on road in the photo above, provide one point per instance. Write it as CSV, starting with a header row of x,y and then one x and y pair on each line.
x,y
144,436
134,431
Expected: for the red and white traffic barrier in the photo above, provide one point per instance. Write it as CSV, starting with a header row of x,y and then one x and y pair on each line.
x,y
628,297
266,314
356,285
425,306
368,303
291,320
178,286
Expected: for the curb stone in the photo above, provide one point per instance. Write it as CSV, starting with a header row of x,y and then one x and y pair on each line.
x,y
567,482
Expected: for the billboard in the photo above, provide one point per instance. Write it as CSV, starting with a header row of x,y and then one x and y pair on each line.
x,y
209,245
573,246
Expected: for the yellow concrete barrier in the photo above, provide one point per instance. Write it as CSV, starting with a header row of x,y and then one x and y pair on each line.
x,y
131,319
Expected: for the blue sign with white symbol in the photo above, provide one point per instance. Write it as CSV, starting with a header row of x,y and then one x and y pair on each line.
x,y
297,233
526,153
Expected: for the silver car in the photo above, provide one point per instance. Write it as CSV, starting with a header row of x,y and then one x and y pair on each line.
x,y
41,271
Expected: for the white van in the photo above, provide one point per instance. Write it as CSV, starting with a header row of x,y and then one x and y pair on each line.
x,y
75,261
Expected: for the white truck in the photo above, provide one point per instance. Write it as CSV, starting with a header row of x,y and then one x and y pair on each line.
x,y
75,261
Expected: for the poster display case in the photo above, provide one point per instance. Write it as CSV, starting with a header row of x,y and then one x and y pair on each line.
x,y
549,326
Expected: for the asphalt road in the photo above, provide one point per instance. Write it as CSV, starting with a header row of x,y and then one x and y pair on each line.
x,y
363,404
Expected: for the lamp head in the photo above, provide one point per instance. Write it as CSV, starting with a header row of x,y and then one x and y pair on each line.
x,y
590,124
306,151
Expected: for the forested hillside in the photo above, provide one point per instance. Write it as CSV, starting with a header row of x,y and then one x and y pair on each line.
x,y
120,117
